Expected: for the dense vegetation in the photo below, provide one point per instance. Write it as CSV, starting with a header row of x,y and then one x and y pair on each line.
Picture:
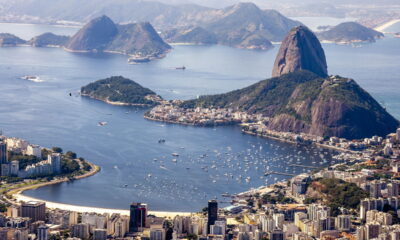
x,y
69,163
338,193
24,160
269,96
118,89
274,199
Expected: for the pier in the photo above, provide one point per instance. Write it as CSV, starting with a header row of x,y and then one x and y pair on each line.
x,y
303,166
279,173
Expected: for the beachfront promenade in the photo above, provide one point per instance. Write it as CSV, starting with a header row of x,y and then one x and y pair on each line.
x,y
20,197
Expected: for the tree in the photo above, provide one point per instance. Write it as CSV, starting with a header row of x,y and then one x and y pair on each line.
x,y
57,149
3,207
70,155
45,153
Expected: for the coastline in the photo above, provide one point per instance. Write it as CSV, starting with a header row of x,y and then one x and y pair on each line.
x,y
117,103
292,142
69,207
186,124
382,27
250,133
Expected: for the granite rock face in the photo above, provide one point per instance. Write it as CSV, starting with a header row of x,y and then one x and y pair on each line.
x,y
300,50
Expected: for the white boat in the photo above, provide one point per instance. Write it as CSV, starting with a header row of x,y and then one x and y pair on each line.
x,y
32,78
175,154
102,124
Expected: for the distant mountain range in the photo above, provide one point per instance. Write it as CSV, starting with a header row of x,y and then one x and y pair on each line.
x,y
243,25
350,32
303,99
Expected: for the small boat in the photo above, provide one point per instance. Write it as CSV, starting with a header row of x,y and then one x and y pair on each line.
x,y
161,141
175,154
31,78
102,124
136,60
174,160
180,68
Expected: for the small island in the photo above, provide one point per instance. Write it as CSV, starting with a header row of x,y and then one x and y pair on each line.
x,y
118,90
10,40
350,32
49,40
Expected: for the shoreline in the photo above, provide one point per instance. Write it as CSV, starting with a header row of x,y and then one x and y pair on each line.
x,y
79,208
117,103
145,116
292,142
382,27
15,196
250,133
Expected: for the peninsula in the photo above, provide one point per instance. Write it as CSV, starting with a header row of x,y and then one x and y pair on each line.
x,y
300,99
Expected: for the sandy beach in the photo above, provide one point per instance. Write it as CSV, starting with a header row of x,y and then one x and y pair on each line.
x,y
20,197
382,27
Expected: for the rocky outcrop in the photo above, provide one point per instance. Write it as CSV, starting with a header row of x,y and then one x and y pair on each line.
x,y
300,50
350,32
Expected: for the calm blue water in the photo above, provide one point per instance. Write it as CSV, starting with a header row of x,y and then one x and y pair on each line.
x,y
127,148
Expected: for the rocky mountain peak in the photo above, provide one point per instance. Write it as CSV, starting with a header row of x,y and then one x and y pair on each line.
x,y
300,50
94,35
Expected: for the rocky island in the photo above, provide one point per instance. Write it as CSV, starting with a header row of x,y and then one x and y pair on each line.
x,y
349,32
10,40
120,91
301,99
49,40
103,35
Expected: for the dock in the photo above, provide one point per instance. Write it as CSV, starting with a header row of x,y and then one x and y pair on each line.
x,y
279,173
303,166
